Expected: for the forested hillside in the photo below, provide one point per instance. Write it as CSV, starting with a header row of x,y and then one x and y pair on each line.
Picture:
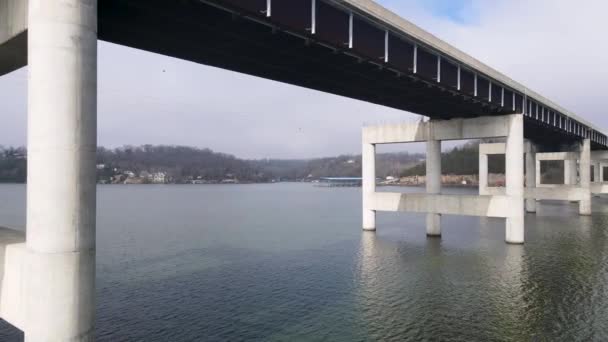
x,y
182,164
387,164
179,163
461,160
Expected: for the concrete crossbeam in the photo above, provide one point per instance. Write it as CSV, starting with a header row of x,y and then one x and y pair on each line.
x,y
599,155
551,192
493,191
455,129
557,193
492,148
558,156
483,206
599,188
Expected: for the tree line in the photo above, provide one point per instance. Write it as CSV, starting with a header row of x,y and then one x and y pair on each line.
x,y
461,160
183,164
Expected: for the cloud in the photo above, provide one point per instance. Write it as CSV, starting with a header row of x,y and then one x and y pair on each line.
x,y
555,47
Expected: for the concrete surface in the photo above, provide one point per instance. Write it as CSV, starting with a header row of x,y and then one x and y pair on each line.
x,y
509,205
514,175
433,184
368,165
62,142
455,129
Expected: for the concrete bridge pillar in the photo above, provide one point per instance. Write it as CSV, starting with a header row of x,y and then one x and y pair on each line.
x,y
483,174
531,174
433,184
368,165
596,171
570,176
538,173
585,175
514,174
505,203
61,190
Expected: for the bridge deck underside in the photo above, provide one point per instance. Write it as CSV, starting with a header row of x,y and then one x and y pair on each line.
x,y
206,35
201,33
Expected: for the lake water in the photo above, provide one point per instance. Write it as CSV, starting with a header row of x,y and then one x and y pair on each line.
x,y
289,262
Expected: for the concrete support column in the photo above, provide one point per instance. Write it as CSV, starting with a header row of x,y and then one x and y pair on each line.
x,y
433,184
483,174
585,172
538,172
531,174
514,169
61,189
368,165
568,170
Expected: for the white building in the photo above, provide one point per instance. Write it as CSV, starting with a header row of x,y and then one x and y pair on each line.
x,y
159,178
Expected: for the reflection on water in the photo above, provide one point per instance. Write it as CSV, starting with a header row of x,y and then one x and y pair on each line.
x,y
289,262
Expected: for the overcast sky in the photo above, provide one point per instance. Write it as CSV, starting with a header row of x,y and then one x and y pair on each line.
x,y
556,47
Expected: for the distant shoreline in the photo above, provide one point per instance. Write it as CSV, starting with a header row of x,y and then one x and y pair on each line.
x,y
269,183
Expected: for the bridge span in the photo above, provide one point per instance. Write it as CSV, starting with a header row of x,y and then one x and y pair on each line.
x,y
352,48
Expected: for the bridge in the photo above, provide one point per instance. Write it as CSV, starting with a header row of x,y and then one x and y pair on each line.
x,y
352,48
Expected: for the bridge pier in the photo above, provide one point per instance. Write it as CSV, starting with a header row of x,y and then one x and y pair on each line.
x,y
572,189
596,171
483,169
368,185
514,179
570,172
61,190
433,184
531,175
508,205
585,177
598,185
